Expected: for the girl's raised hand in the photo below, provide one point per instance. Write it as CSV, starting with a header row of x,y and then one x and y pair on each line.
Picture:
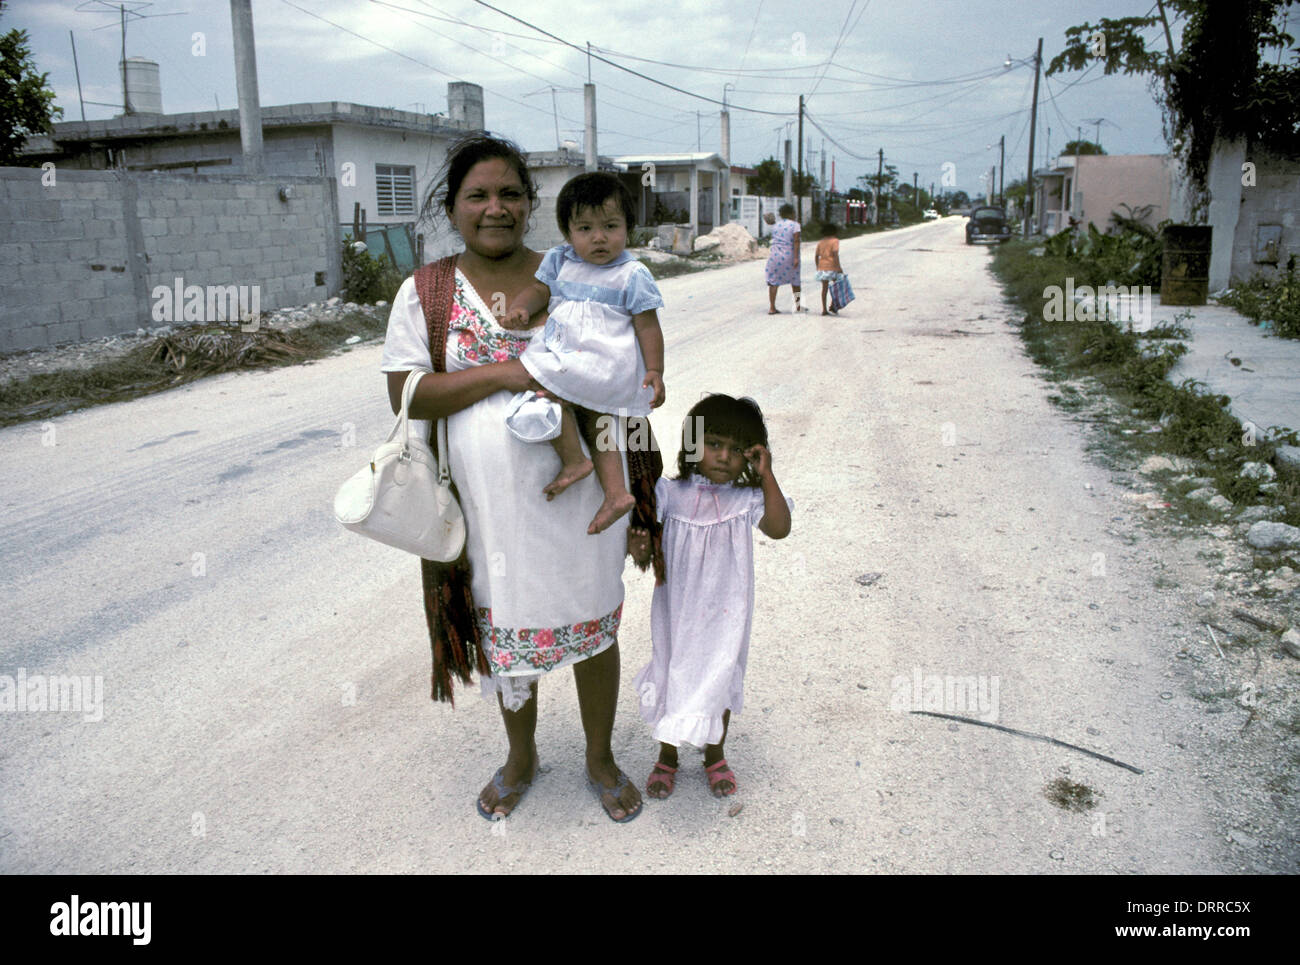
x,y
761,460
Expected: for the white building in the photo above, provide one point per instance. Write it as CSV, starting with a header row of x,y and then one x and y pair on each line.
x,y
383,160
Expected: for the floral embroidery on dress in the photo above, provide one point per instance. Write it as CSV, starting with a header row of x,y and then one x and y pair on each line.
x,y
474,341
544,648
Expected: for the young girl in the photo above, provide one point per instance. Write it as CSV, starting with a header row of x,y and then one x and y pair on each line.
x,y
602,349
828,261
701,614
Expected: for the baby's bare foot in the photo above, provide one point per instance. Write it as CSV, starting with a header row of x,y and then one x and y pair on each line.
x,y
568,475
614,508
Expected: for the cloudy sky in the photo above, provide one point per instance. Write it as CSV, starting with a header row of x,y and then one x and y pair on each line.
x,y
924,81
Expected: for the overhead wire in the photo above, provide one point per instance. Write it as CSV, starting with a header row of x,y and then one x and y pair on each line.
x,y
629,70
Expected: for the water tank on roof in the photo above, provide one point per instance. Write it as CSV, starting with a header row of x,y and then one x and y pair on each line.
x,y
143,87
465,105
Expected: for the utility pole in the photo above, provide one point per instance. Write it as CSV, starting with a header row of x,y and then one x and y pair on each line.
x,y
825,195
555,116
724,125
250,108
798,184
788,182
1033,125
880,171
590,162
73,41
916,201
1002,164
126,97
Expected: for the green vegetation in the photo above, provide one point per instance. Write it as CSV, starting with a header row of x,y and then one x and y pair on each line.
x,y
26,102
367,279
1275,302
1128,254
1132,367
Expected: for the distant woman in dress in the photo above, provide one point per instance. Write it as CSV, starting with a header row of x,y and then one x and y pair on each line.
x,y
783,262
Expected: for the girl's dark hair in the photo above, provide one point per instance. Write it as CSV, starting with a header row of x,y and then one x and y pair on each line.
x,y
830,230
592,190
721,415
463,155
786,211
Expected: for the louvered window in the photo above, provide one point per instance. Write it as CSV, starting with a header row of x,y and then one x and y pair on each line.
x,y
394,189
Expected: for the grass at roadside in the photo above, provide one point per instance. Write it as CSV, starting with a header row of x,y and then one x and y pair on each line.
x,y
1272,303
171,360
1132,368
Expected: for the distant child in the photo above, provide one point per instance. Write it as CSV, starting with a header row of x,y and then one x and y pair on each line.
x,y
828,261
602,350
700,616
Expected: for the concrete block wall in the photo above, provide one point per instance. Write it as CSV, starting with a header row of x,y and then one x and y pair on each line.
x,y
1273,199
82,252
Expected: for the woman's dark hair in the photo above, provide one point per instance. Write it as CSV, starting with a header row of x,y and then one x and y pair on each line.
x,y
592,190
721,415
786,211
463,155
830,229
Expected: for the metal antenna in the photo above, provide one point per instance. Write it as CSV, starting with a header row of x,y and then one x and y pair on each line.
x,y
1098,121
123,9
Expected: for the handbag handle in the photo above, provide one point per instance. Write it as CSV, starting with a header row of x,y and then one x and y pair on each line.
x,y
403,426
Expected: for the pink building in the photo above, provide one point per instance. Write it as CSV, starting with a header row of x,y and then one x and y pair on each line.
x,y
1087,188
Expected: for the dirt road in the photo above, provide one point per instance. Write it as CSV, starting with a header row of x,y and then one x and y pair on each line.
x,y
265,674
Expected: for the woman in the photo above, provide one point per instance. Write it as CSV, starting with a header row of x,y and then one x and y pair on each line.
x,y
545,594
783,262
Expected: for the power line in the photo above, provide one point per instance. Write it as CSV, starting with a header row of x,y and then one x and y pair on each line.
x,y
437,70
844,31
548,82
752,30
635,73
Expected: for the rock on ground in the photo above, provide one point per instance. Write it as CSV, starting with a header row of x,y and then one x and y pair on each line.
x,y
1268,535
732,241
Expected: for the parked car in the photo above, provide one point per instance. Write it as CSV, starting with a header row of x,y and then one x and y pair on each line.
x,y
987,226
930,214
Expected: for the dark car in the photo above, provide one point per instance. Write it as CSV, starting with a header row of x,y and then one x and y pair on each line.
x,y
987,226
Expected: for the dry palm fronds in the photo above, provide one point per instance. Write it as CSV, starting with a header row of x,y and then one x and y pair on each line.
x,y
222,349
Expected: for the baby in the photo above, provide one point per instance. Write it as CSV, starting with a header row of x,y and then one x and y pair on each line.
x,y
602,351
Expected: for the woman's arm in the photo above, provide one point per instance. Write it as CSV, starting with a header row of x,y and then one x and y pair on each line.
x,y
443,393
651,339
836,252
795,244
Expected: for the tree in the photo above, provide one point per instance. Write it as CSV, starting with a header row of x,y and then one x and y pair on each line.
x,y
882,182
1219,85
26,104
1082,147
770,180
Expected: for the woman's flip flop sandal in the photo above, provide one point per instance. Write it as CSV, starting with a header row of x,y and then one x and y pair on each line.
x,y
600,791
663,775
503,790
718,773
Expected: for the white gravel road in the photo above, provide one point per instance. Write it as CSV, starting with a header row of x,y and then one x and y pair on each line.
x,y
265,674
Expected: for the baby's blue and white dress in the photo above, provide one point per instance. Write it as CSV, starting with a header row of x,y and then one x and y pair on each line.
x,y
587,354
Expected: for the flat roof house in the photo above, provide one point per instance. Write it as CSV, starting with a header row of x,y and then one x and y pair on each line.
x,y
383,159
1087,188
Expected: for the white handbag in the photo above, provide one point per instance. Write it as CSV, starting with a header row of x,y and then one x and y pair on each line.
x,y
403,497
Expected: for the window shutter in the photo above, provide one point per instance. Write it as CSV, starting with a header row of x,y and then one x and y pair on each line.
x,y
394,189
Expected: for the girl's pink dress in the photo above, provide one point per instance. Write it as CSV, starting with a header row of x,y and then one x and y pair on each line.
x,y
700,617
